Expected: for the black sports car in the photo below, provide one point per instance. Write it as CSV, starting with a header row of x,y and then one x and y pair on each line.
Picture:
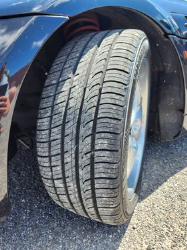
x,y
78,79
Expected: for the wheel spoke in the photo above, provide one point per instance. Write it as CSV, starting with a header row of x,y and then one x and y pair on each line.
x,y
137,103
139,97
132,150
134,109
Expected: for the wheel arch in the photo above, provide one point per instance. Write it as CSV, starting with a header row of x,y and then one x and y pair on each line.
x,y
167,78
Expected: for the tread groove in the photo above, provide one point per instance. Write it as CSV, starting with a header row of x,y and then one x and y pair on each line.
x,y
78,130
64,121
94,128
49,147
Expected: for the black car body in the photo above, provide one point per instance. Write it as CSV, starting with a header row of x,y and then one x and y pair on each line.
x,y
33,32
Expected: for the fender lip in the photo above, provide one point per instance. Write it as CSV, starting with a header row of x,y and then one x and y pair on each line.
x,y
157,10
33,14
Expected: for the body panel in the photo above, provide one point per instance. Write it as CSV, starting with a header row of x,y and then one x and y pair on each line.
x,y
18,48
181,20
158,10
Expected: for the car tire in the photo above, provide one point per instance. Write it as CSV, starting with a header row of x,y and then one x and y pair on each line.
x,y
92,123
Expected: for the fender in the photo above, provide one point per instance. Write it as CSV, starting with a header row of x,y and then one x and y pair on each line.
x,y
21,39
158,10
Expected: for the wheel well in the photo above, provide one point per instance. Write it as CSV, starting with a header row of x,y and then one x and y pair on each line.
x,y
167,101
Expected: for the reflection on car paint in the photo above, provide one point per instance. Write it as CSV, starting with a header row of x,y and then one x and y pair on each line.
x,y
30,33
8,88
4,93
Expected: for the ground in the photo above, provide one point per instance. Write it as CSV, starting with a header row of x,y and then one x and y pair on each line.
x,y
159,221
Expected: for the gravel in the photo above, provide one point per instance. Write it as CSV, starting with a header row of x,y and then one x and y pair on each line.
x,y
159,221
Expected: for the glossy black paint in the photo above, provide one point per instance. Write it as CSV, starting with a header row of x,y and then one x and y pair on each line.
x,y
158,10
21,39
181,20
25,26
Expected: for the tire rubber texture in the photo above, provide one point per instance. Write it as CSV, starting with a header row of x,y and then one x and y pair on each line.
x,y
82,127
